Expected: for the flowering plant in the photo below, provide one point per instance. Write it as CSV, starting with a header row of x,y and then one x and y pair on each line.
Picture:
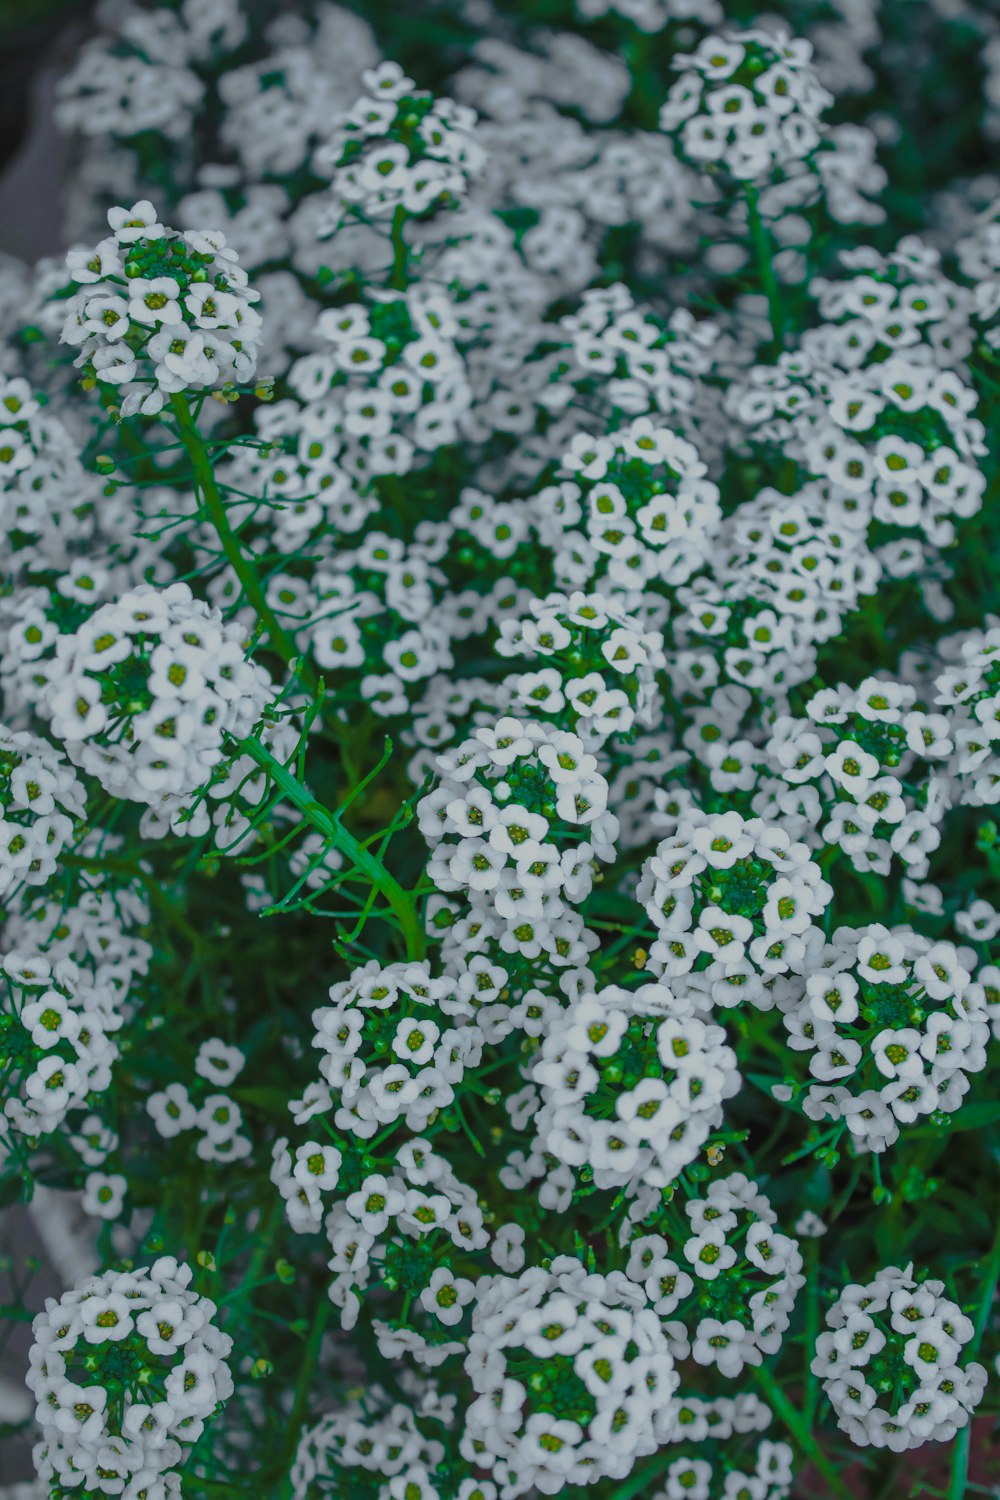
x,y
499,702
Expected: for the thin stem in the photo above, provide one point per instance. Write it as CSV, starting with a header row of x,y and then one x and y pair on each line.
x,y
397,278
763,251
267,1227
242,565
301,1403
798,1426
334,832
960,1452
812,1330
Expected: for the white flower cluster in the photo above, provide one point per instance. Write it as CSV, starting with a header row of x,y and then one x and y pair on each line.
x,y
860,757
890,1362
160,312
301,461
41,799
630,1088
56,1039
448,706
125,1369
894,437
697,1478
602,676
393,386
145,692
635,508
699,1420
733,901
393,1044
968,692
786,571
47,497
893,1024
149,80
216,1116
400,1225
397,148
574,1379
238,787
98,932
747,103
372,613
634,360
979,258
746,1273
514,827
278,107
894,302
378,1440
70,547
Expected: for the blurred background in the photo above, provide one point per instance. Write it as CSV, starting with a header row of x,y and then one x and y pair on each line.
x,y
36,38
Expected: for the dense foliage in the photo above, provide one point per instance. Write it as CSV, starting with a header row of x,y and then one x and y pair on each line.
x,y
500,682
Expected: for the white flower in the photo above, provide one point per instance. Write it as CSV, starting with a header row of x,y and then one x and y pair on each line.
x,y
104,1195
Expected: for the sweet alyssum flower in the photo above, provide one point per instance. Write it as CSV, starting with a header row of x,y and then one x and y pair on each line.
x,y
523,997
748,103
630,1086
597,666
159,311
891,1362
57,1043
893,1024
733,902
125,1370
147,690
558,1360
40,800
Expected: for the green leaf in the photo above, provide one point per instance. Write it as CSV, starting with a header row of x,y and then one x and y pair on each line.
x,y
17,1314
272,1101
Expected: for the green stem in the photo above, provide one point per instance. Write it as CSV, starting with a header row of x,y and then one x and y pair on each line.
x,y
763,251
211,1486
332,829
400,252
303,1387
215,507
798,1426
267,1227
960,1452
960,1464
812,1330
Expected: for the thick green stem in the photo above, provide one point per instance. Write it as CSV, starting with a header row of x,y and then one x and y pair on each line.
x,y
242,565
797,1425
763,251
332,829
